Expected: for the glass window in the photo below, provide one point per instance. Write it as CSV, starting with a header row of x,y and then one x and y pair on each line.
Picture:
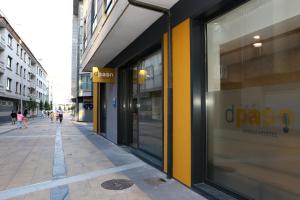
x,y
85,82
147,97
17,85
253,112
8,84
9,62
94,14
9,40
17,68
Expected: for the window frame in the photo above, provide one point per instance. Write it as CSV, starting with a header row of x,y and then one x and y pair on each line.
x,y
9,62
8,84
9,40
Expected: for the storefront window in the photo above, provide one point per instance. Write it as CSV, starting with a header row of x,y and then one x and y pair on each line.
x,y
147,98
253,100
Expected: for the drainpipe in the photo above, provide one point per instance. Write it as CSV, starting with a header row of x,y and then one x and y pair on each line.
x,y
170,78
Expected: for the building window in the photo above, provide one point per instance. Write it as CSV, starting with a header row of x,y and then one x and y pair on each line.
x,y
21,54
24,90
94,11
9,41
252,101
17,68
8,84
17,85
20,88
85,34
25,55
18,46
9,62
85,82
24,74
21,69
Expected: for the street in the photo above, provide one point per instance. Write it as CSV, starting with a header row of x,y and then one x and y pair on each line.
x,y
68,161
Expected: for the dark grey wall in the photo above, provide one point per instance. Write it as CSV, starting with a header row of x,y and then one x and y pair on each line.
x,y
112,117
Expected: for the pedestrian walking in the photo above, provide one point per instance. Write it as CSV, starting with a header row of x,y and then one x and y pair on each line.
x,y
19,119
60,116
25,119
57,115
25,113
13,116
52,116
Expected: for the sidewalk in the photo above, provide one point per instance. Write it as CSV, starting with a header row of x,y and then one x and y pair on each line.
x,y
68,161
7,127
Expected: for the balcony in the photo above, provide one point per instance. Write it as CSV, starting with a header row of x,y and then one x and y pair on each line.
x,y
2,43
117,27
32,84
2,67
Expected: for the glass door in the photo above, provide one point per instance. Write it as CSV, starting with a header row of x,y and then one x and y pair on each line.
x,y
147,105
134,107
141,105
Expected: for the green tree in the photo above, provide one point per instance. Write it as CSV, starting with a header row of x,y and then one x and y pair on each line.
x,y
46,105
32,105
41,105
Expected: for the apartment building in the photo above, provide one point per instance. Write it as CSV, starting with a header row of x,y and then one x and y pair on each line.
x,y
207,91
81,84
22,77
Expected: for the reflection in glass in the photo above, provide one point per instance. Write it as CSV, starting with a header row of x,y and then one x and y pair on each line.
x,y
147,96
253,114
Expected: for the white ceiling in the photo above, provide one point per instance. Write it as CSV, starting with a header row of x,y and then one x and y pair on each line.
x,y
132,23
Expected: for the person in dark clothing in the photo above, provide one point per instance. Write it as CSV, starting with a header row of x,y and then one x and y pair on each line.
x,y
60,116
13,116
25,113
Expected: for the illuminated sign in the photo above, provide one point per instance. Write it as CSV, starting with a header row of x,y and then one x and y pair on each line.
x,y
103,75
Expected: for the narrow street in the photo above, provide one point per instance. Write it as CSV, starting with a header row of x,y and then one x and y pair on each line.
x,y
68,161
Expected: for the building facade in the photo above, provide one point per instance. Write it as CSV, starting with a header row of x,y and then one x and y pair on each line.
x,y
81,81
22,78
207,91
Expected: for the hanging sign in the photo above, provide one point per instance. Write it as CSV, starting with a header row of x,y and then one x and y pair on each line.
x,y
103,75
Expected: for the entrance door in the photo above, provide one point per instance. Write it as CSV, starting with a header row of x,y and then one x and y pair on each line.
x,y
141,105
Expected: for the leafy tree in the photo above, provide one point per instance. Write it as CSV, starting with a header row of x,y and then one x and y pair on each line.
x,y
46,105
32,105
41,105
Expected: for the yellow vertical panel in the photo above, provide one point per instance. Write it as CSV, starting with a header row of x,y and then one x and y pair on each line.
x,y
181,103
95,106
165,53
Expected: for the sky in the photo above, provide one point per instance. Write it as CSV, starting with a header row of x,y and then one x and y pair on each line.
x,y
46,28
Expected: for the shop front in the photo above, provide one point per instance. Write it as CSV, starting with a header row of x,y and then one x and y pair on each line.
x,y
235,98
252,91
